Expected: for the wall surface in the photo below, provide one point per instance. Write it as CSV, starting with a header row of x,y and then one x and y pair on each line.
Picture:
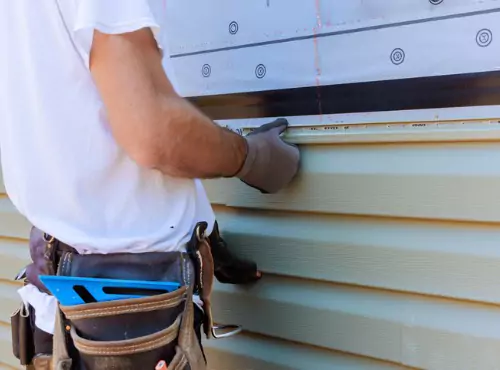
x,y
377,257
384,253
387,252
14,255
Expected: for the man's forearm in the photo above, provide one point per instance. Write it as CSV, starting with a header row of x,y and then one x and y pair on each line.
x,y
188,144
154,125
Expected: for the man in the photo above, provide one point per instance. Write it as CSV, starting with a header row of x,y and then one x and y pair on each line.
x,y
104,158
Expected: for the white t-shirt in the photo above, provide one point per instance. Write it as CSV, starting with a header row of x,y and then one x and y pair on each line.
x,y
62,168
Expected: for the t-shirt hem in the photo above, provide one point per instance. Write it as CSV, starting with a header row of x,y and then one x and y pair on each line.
x,y
115,29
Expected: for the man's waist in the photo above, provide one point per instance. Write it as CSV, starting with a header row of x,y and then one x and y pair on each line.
x,y
51,256
135,233
138,244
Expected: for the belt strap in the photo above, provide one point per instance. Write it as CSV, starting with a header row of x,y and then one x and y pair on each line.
x,y
200,251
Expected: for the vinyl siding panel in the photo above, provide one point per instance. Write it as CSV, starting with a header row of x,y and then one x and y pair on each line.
x,y
259,352
7,361
376,258
12,224
456,260
14,255
385,251
449,181
412,330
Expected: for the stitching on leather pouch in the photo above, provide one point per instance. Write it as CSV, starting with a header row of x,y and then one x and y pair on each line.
x,y
183,268
167,302
169,334
178,358
60,268
115,310
66,263
177,296
64,269
187,271
90,350
70,263
182,363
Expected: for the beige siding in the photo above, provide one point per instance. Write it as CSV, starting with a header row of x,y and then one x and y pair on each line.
x,y
251,352
454,181
383,251
14,255
378,257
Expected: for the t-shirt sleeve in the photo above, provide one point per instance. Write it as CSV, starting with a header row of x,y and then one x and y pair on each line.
x,y
113,17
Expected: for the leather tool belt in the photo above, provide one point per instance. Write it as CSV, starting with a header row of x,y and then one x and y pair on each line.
x,y
129,333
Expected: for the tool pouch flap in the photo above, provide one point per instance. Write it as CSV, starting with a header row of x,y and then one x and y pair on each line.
x,y
135,333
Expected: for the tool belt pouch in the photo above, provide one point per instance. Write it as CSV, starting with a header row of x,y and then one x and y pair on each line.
x,y
137,333
23,346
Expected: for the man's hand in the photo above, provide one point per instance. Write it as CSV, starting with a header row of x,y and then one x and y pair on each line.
x,y
271,163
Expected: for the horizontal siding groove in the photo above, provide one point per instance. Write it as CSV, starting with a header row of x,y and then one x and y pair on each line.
x,y
14,252
458,261
12,223
421,181
4,323
249,351
401,328
14,247
10,301
11,282
4,365
342,285
6,355
284,214
236,210
15,255
12,239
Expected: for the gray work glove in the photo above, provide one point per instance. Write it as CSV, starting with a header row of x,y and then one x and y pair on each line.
x,y
271,163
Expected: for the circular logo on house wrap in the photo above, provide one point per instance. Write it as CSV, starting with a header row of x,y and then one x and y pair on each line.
x,y
233,28
260,71
206,70
435,2
484,37
397,56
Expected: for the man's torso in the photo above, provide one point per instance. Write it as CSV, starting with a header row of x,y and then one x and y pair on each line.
x,y
61,165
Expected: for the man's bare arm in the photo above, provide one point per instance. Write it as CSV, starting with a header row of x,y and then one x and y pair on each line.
x,y
156,127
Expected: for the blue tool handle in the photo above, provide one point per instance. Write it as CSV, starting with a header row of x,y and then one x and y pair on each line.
x,y
71,290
